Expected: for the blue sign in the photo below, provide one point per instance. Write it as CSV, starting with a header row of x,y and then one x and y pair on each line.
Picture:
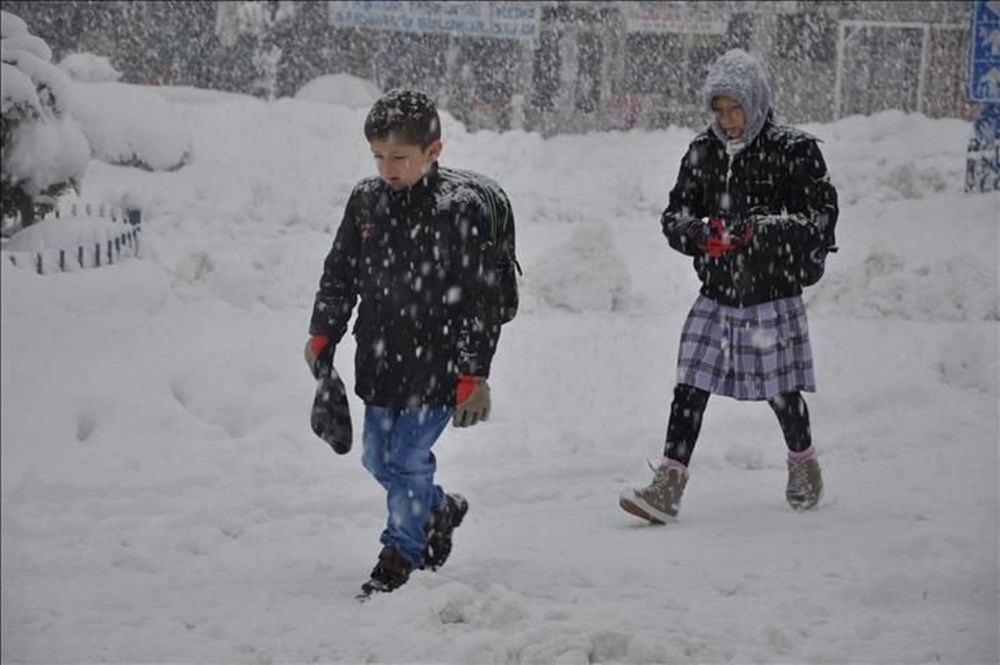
x,y
984,59
987,125
982,162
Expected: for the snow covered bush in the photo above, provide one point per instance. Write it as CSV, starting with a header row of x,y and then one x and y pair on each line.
x,y
131,126
342,88
44,151
89,68
124,124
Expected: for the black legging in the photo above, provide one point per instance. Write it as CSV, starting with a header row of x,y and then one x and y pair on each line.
x,y
688,407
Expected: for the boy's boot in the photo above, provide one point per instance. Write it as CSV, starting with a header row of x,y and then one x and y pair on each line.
x,y
660,501
805,482
440,527
390,573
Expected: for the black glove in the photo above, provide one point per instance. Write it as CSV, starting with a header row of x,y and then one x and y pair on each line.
x,y
697,232
331,415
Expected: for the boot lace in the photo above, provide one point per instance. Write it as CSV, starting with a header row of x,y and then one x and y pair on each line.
x,y
798,478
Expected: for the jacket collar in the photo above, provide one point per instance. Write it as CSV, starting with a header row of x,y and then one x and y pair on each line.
x,y
419,188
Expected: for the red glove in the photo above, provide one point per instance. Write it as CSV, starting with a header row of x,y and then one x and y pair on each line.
x,y
472,400
464,388
314,352
716,247
722,241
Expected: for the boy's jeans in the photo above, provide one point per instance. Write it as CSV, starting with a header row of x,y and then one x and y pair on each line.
x,y
397,451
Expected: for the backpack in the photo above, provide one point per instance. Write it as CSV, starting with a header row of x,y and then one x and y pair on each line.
x,y
508,269
813,265
502,241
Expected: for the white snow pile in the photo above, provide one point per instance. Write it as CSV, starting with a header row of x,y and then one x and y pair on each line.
x,y
131,126
587,273
164,499
89,68
342,89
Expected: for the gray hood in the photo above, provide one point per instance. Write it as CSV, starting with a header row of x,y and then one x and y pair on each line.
x,y
739,75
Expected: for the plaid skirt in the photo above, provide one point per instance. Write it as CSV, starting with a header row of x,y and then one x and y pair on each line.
x,y
750,353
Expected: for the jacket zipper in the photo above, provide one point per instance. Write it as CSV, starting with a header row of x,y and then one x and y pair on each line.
x,y
730,259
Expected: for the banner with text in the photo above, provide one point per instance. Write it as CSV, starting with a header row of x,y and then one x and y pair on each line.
x,y
499,20
673,18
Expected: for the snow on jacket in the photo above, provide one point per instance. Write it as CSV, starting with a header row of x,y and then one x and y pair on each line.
x,y
420,263
773,179
778,185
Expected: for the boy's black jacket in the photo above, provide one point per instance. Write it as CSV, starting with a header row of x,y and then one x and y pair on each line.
x,y
780,186
420,261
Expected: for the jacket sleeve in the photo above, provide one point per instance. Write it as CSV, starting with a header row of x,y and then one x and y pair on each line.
x,y
478,286
810,206
682,220
338,287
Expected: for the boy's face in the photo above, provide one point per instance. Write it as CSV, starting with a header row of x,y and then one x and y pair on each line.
x,y
402,165
730,115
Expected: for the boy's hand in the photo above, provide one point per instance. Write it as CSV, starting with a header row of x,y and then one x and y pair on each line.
x,y
472,400
318,353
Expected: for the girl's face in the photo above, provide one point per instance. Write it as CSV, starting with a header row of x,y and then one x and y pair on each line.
x,y
730,115
402,165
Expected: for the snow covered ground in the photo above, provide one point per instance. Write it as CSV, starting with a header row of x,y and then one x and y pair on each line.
x,y
164,500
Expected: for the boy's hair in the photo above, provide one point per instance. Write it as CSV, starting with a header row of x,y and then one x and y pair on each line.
x,y
404,116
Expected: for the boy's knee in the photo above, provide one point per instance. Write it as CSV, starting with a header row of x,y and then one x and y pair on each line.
x,y
374,461
415,467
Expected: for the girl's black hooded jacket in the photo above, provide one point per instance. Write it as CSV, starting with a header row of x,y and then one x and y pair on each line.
x,y
771,183
778,189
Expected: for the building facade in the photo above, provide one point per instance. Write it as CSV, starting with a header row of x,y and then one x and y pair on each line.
x,y
543,66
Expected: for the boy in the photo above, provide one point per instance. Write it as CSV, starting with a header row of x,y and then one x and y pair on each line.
x,y
754,206
418,247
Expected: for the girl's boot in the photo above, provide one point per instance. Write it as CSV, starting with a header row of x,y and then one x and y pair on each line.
x,y
660,501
